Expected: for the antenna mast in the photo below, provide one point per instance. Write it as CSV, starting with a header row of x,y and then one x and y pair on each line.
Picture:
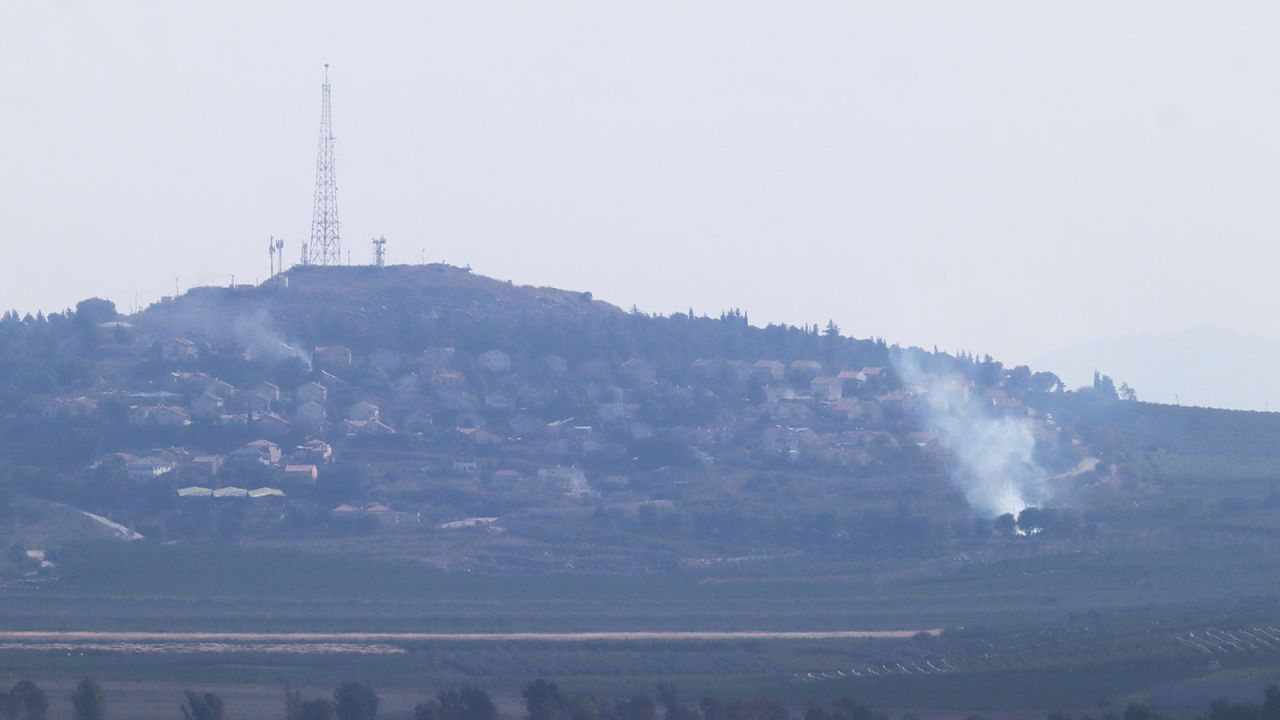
x,y
380,251
325,247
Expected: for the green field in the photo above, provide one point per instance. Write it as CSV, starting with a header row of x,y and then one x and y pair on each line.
x,y
1104,623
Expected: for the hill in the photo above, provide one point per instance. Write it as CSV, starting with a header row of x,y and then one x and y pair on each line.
x,y
422,448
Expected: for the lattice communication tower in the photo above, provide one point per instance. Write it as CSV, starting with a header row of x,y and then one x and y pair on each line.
x,y
325,246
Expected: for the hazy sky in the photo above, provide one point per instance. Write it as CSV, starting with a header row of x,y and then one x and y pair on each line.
x,y
1018,178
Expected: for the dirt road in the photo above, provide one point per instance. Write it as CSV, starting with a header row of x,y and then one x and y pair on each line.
x,y
36,637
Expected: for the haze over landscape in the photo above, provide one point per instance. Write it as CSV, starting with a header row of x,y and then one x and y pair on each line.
x,y
639,361
1014,179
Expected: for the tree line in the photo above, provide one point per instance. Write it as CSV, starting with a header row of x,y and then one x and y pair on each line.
x,y
545,700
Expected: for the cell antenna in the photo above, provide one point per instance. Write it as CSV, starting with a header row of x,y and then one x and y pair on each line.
x,y
380,251
325,247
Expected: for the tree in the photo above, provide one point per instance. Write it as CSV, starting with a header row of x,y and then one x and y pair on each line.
x,y
1127,393
1104,386
89,701
1045,381
670,699
1138,711
202,706
1271,703
465,703
316,709
1006,524
427,710
355,701
640,707
544,701
96,311
28,702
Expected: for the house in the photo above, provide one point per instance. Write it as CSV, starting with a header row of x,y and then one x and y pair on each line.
x,y
301,474
206,465
363,411
148,468
442,379
826,388
778,394
220,388
259,402
418,421
615,411
571,479
260,452
769,369
333,356
268,390
272,425
407,388
231,492
705,459
80,407
368,428
506,477
206,406
850,377
345,511
736,370
195,491
704,367
437,358
495,361
475,522
329,380
805,368
178,348
314,451
311,392
464,466
169,416
115,334
266,492
271,449
138,415
311,415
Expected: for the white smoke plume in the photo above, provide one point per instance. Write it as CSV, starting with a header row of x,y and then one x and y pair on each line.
x,y
255,333
995,464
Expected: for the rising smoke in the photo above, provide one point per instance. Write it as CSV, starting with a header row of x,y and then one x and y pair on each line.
x,y
995,464
254,331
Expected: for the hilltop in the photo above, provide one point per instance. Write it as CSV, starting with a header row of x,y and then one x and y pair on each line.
x,y
367,306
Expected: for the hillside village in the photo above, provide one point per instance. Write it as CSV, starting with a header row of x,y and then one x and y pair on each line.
x,y
323,436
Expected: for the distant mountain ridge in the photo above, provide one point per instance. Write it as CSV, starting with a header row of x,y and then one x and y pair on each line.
x,y
1201,366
